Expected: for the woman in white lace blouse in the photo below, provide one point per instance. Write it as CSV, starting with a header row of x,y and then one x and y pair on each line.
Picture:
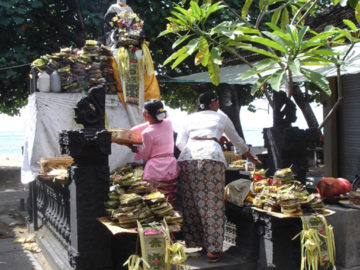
x,y
202,164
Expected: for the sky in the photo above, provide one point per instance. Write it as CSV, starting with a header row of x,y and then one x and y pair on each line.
x,y
12,123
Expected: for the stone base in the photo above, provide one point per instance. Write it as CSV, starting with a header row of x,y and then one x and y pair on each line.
x,y
55,254
232,261
347,236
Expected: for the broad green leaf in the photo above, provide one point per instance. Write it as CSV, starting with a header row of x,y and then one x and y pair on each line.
x,y
357,13
213,8
175,55
216,55
294,66
322,36
284,18
326,52
180,40
335,2
245,9
276,16
269,43
183,19
352,3
256,70
258,50
181,58
177,21
182,10
276,79
234,43
203,51
192,45
302,33
291,29
214,72
249,30
259,83
196,10
318,61
273,26
163,33
205,61
350,24
318,79
199,57
280,39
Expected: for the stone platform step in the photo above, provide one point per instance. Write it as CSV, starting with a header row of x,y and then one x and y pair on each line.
x,y
231,261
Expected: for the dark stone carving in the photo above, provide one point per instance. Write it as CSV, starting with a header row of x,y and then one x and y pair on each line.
x,y
284,110
90,110
277,250
52,208
89,175
287,145
86,146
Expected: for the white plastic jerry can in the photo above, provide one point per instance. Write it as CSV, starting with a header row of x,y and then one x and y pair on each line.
x,y
55,82
43,82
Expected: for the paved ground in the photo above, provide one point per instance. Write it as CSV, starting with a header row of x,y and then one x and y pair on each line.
x,y
13,226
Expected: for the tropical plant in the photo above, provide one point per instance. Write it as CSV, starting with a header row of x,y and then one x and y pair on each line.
x,y
287,45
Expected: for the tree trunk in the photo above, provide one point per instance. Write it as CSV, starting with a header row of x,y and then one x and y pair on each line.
x,y
305,108
230,105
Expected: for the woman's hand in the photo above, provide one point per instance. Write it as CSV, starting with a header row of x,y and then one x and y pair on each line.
x,y
133,148
257,163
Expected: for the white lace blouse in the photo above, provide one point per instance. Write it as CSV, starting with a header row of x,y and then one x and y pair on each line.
x,y
207,123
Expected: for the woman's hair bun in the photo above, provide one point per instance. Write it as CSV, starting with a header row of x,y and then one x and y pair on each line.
x,y
156,109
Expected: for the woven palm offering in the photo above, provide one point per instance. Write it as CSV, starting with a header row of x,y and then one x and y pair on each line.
x,y
123,136
49,164
354,197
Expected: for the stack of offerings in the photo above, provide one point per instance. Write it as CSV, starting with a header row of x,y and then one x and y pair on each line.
x,y
284,194
79,70
98,68
131,199
107,70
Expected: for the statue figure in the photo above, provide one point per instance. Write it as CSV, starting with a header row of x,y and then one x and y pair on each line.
x,y
284,110
124,34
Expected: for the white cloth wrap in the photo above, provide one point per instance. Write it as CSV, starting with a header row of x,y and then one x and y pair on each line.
x,y
48,114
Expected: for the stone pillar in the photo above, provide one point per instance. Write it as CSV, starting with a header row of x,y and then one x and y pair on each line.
x,y
89,187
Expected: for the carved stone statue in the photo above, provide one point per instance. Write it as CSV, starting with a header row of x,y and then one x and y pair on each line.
x,y
124,34
284,110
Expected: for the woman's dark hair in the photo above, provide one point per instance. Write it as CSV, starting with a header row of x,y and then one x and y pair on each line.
x,y
205,100
156,109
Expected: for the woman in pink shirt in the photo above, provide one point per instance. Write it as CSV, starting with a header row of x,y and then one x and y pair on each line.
x,y
157,150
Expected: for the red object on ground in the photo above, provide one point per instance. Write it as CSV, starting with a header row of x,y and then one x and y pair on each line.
x,y
330,186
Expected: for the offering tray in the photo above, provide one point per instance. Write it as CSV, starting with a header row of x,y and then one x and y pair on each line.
x,y
125,136
115,228
325,212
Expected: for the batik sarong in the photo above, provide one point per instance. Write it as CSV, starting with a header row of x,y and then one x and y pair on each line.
x,y
202,184
168,188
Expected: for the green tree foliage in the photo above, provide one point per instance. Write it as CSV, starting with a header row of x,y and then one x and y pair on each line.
x,y
33,28
30,28
287,45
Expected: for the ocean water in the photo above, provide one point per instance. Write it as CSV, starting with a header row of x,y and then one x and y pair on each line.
x,y
11,142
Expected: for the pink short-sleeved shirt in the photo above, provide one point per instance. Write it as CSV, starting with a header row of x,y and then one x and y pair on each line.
x,y
158,141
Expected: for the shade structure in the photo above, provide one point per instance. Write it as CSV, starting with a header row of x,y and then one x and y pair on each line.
x,y
232,74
